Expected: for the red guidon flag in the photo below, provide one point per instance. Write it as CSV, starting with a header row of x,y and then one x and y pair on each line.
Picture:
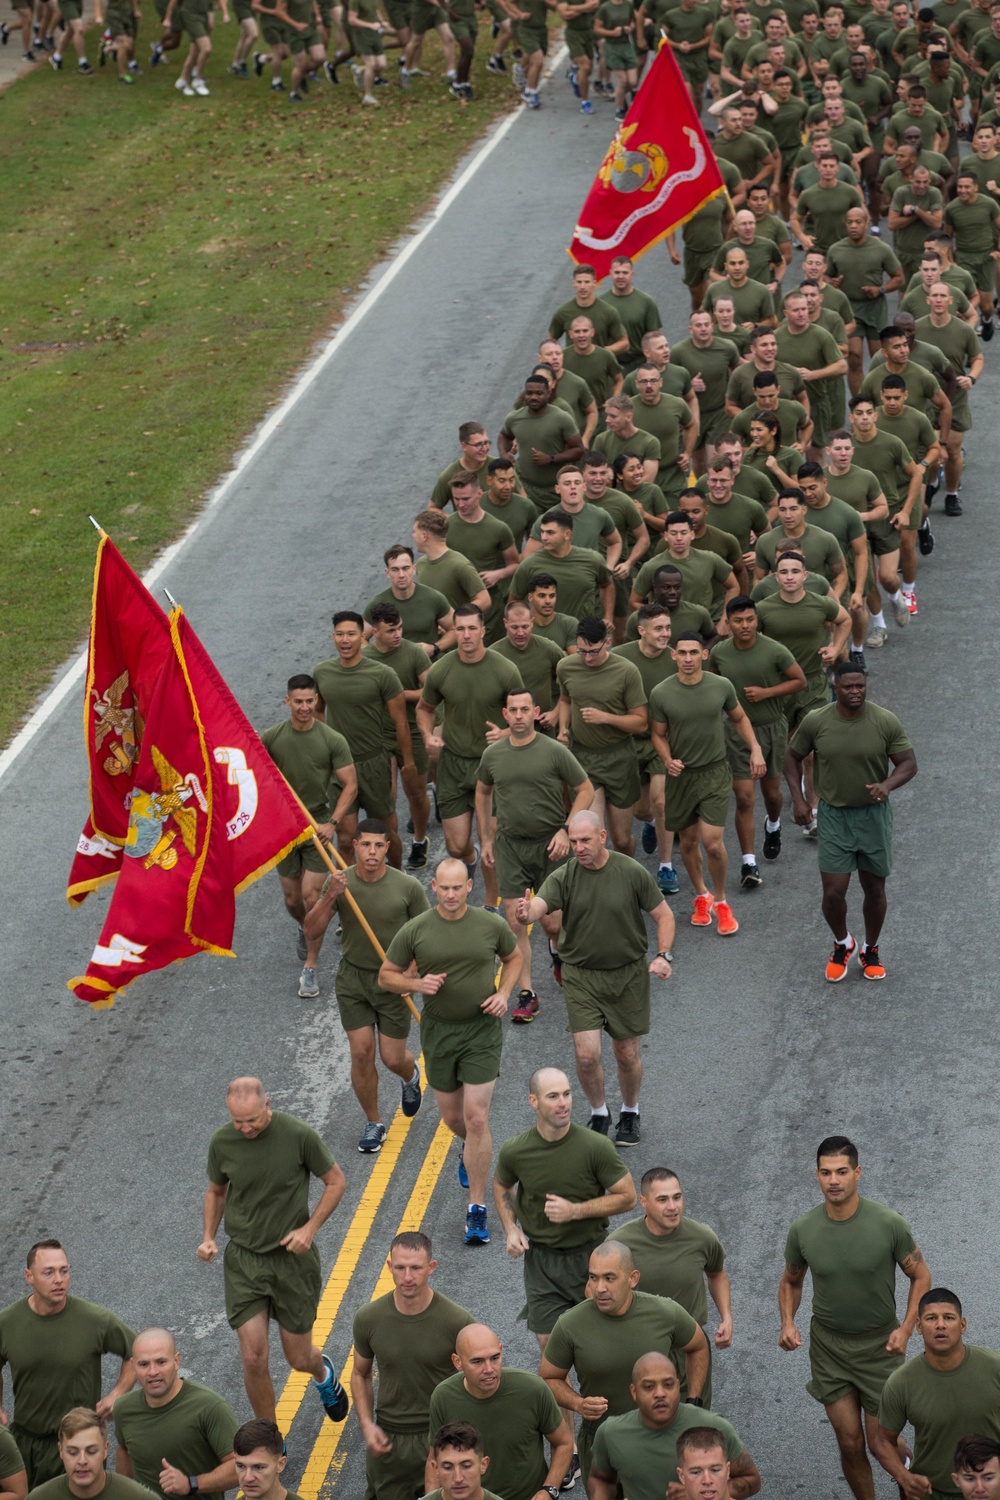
x,y
659,170
129,644
208,814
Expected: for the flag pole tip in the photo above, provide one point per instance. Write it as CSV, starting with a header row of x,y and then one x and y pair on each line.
x,y
96,525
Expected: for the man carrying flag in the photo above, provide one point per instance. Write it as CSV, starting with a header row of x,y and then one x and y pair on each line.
x,y
658,171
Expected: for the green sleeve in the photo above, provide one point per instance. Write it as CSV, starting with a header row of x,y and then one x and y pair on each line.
x,y
417,901
903,1243
118,1337
600,1463
11,1461
430,690
892,1404
649,892
570,768
635,693
549,1416
715,1257
685,1326
793,1249
215,1172
607,1164
400,950
316,1154
503,1172
551,890
559,1349
506,942
340,752
220,1427
360,1333
832,607
608,525
484,774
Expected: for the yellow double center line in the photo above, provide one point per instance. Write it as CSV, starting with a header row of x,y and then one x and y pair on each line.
x,y
324,1452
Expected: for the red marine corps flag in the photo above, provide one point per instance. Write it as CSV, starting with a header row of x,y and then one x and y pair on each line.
x,y
659,170
208,814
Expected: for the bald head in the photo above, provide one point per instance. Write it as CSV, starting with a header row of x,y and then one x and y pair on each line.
x,y
451,869
654,1365
245,1088
479,1356
616,1252
543,1078
585,822
154,1338
157,1365
475,1336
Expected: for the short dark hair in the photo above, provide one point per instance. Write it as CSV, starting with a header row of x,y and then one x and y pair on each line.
x,y
496,464
260,1433
590,460
837,1145
463,481
974,1452
300,683
650,611
51,1244
788,555
891,383
462,1435
790,490
810,470
844,667
655,1174
677,518
558,517
385,614
398,549
690,635
939,1294
372,825
860,400
764,378
701,1440
411,1239
348,617
542,581
517,692
741,601
891,331
593,629
469,609
468,430
667,568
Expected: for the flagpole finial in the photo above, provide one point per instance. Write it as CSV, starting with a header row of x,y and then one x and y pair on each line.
x,y
173,601
96,525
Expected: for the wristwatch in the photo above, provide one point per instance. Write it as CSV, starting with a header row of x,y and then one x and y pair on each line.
x,y
551,1489
695,1401
193,1484
668,956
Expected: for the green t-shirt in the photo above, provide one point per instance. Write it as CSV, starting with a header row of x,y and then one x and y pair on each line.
x,y
715,364
466,951
858,487
419,614
887,459
11,1461
386,904
851,754
267,1179
844,524
853,1261
791,414
626,515
602,1350
684,618
579,578
909,240
867,264
641,445
643,1457
608,326
591,525
194,1432
409,662
741,517
812,349
413,1354
600,369
752,302
740,387
576,393
746,151
800,626
639,314
943,1406
921,385
763,255
699,570
913,430
822,211
821,550
473,695
582,1165
536,663
483,543
355,699
915,302
603,925
513,1422
974,225
615,686
666,419
652,669
441,493
786,123
309,760
549,431
528,785
815,583
692,713
55,1361
960,346
674,1265
754,484
116,1487
518,514
452,575
703,231
764,664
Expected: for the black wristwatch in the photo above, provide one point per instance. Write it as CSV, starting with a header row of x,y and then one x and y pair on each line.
x,y
193,1484
552,1489
695,1401
668,956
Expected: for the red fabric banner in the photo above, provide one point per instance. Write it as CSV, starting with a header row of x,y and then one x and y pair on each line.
x,y
658,171
129,644
208,814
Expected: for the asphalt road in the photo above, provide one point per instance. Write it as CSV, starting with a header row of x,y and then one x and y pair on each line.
x,y
104,1118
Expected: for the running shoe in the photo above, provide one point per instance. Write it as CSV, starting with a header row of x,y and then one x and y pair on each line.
x,y
531,99
572,1474
526,1009
477,1231
666,879
330,69
952,505
183,87
925,539
412,1096
876,638
259,59
702,915
837,965
126,78
900,612
856,657
586,108
308,985
332,1394
84,67
463,1176
56,62
373,1139
726,923
496,64
871,964
649,838
750,878
200,87
301,947
417,857
627,1131
556,964
911,603
4,34
600,1123
772,843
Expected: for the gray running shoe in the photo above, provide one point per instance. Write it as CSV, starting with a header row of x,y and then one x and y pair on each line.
x,y
308,985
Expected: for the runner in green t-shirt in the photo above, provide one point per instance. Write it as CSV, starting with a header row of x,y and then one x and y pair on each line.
x,y
539,1175
489,546
650,654
259,1170
845,525
765,675
455,949
260,1459
523,786
603,1336
386,899
425,612
583,581
699,570
866,271
608,325
173,1424
593,910
958,342
411,663
710,360
852,742
82,1454
819,217
546,438
318,765
973,219
852,1246
637,310
534,656
821,550
410,1335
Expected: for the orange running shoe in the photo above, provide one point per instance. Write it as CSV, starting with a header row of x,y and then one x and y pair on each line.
x,y
840,957
870,962
702,916
726,922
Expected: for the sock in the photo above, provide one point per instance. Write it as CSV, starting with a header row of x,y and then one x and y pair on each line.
x,y
749,859
770,827
815,813
630,1109
328,1378
907,588
477,1205
878,621
894,598
844,941
925,525
416,1076
601,1110
57,57
667,866
951,494
420,843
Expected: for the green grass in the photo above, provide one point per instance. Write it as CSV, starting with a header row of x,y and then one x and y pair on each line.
x,y
168,265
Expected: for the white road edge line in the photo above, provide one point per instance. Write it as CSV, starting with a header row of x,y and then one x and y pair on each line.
x,y
54,699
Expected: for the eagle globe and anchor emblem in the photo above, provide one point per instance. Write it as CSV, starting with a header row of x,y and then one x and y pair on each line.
x,y
641,168
149,838
633,169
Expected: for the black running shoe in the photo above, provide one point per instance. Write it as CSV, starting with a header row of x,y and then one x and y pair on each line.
x,y
772,844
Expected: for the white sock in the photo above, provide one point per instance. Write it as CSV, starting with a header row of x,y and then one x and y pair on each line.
x,y
630,1109
893,598
844,941
878,621
770,827
602,1110
749,859
907,588
666,866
